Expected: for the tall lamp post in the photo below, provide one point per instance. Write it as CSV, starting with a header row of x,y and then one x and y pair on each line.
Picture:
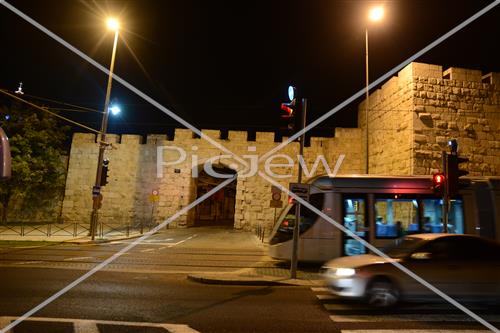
x,y
375,14
113,25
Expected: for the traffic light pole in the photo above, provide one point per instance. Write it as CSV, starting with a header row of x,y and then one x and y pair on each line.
x,y
96,196
296,229
446,197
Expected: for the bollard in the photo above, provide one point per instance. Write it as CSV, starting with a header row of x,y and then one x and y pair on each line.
x,y
128,230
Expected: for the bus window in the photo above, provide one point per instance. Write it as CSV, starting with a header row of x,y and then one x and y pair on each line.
x,y
354,220
432,221
396,217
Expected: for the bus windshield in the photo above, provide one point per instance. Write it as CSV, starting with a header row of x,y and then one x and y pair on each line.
x,y
286,223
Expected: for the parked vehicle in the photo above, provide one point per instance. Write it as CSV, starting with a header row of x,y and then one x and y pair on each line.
x,y
462,266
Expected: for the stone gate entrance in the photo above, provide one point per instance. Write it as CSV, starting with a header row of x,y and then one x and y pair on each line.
x,y
219,208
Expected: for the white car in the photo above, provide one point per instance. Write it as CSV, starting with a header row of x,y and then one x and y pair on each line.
x,y
462,266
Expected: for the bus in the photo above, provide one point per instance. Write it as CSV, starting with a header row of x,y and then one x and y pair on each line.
x,y
380,209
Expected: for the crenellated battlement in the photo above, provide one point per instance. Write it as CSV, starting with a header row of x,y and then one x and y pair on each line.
x,y
409,121
183,135
414,114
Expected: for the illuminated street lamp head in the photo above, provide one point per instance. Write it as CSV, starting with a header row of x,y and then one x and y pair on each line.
x,y
115,110
376,14
113,24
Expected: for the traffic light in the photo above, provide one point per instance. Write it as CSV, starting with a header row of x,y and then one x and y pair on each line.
x,y
104,173
290,109
438,183
289,115
454,173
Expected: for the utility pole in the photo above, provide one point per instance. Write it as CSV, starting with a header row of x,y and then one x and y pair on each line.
x,y
367,106
446,197
296,229
96,191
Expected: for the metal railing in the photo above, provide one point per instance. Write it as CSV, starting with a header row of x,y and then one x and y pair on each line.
x,y
73,229
260,231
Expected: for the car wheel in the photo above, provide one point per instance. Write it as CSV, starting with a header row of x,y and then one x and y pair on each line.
x,y
382,293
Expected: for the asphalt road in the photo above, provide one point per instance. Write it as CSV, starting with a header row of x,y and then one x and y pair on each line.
x,y
148,286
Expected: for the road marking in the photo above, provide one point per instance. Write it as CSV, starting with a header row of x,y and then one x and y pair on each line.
x,y
90,326
77,258
366,307
85,326
147,250
326,297
182,241
320,289
162,248
409,317
4,321
28,262
414,331
157,240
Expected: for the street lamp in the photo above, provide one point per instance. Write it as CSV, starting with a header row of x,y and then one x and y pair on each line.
x,y
375,14
115,110
113,25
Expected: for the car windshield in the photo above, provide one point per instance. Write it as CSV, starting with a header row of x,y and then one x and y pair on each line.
x,y
404,247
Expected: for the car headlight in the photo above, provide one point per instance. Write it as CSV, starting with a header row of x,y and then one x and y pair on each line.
x,y
345,272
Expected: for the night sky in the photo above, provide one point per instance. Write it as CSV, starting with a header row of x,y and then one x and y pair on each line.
x,y
227,64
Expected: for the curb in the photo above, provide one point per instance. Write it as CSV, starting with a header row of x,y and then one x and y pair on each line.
x,y
235,282
252,281
102,240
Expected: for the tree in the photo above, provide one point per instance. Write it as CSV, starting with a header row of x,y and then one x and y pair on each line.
x,y
37,147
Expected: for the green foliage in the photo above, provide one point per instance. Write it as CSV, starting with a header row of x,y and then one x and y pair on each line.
x,y
38,167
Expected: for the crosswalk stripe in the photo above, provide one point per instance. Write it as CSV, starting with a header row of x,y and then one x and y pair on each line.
x,y
90,326
85,326
410,317
326,297
362,307
414,331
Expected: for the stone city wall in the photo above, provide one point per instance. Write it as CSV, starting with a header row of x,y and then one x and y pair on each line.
x,y
133,174
413,116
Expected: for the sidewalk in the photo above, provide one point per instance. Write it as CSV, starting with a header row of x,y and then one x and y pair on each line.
x,y
265,272
260,271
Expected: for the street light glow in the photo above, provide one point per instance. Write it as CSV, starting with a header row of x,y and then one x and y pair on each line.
x,y
115,110
113,24
376,13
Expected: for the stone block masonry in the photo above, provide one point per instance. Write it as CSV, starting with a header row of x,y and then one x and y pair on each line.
x,y
413,115
411,118
133,174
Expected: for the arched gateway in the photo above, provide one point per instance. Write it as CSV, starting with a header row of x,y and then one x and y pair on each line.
x,y
218,210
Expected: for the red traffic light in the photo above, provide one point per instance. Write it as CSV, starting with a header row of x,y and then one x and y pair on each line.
x,y
438,183
286,107
438,179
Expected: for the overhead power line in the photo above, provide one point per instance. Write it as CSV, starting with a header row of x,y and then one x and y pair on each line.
x,y
45,109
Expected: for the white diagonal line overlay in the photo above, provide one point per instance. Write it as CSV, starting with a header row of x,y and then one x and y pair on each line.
x,y
292,138
114,257
383,78
121,81
382,254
